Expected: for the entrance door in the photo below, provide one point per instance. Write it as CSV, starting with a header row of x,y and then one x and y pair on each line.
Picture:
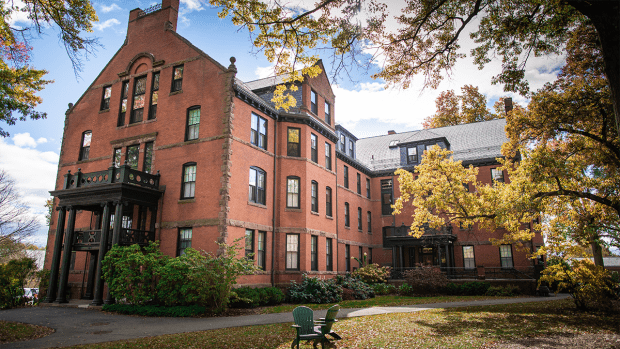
x,y
427,256
411,257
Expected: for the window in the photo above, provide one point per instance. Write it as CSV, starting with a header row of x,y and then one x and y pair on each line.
x,y
177,78
193,123
257,186
370,255
292,251
314,254
347,223
105,100
361,257
328,115
258,135
346,177
412,155
328,201
292,146
359,218
313,102
189,181
347,257
394,143
314,188
368,188
497,175
329,266
328,156
117,157
359,184
260,255
314,155
369,222
249,243
85,148
292,192
185,240
351,149
505,255
123,111
468,257
133,153
154,96
342,143
386,197
147,166
139,89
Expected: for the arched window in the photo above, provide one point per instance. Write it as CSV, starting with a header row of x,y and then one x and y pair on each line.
x,y
188,188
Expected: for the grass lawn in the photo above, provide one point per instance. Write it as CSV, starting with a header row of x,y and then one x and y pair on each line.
x,y
14,331
470,327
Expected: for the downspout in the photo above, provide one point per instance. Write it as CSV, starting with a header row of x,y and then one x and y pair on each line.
x,y
273,207
336,211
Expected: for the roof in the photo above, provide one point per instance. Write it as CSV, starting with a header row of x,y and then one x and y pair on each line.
x,y
266,82
479,140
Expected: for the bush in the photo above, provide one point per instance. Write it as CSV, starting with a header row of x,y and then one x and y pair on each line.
x,y
246,297
360,289
383,289
155,310
405,290
426,280
372,273
13,276
314,290
474,288
503,291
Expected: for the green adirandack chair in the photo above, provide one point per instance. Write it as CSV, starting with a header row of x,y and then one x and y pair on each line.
x,y
325,324
304,325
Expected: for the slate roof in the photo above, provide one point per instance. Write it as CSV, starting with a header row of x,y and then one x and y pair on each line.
x,y
480,140
266,82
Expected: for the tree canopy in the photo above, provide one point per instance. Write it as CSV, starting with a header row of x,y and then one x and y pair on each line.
x,y
20,82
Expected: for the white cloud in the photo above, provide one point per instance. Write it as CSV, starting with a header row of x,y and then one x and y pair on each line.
x,y
264,72
18,16
41,140
192,5
113,7
24,140
110,22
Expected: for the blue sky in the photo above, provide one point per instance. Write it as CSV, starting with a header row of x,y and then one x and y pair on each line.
x,y
30,154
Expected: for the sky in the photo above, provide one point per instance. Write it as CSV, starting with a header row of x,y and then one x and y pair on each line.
x,y
363,105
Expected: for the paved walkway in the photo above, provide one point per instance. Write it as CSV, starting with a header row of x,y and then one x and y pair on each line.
x,y
83,326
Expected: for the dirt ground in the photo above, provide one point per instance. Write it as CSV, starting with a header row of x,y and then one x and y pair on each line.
x,y
569,341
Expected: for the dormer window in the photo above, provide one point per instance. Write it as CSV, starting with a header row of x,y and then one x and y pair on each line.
x,y
342,143
412,155
351,149
394,143
497,175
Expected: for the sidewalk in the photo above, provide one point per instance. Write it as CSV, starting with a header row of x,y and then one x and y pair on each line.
x,y
83,326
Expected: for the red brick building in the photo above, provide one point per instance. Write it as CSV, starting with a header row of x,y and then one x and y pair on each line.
x,y
167,144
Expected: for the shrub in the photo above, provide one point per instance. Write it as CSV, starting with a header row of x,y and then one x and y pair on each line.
x,y
360,289
426,280
155,310
271,296
246,297
372,273
314,290
405,290
503,291
13,277
383,289
474,288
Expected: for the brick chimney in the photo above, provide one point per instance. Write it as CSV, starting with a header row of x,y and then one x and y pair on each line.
x,y
391,132
153,19
507,104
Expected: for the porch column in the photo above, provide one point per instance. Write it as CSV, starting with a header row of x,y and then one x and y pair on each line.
x,y
402,261
66,258
394,257
103,245
439,254
116,236
91,274
448,259
60,230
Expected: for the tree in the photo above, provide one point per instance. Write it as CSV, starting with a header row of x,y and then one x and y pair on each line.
x,y
425,38
16,223
569,167
19,82
470,106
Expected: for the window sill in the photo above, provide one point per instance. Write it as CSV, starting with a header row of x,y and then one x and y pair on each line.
x,y
175,93
349,228
186,201
329,217
192,141
291,209
104,111
360,230
314,213
257,205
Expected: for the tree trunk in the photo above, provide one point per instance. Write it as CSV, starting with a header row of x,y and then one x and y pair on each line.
x,y
597,252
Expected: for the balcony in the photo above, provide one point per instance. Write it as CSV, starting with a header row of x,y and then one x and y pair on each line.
x,y
122,174
88,240
400,236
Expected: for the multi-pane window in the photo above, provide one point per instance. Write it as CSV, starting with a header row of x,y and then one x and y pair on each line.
x,y
505,256
361,257
193,123
369,222
412,155
257,186
292,192
328,156
314,253
347,222
292,251
249,243
117,157
189,181
139,90
328,115
347,257
370,255
105,100
468,257
177,78
329,266
147,166
261,248
497,175
328,201
258,135
386,197
342,143
185,240
123,111
154,96
133,153
346,177
314,196
292,145
359,184
351,149
359,218
314,154
85,147
314,102
368,188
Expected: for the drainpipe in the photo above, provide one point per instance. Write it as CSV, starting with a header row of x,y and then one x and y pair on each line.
x,y
273,207
336,210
